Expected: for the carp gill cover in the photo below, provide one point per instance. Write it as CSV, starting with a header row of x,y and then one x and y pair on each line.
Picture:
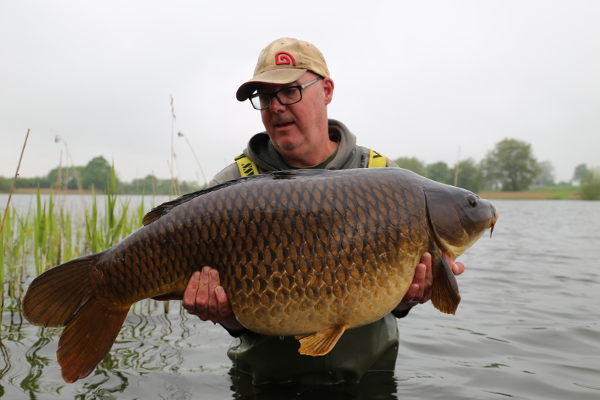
x,y
308,252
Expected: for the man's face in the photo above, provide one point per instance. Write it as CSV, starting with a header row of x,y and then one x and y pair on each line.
x,y
299,130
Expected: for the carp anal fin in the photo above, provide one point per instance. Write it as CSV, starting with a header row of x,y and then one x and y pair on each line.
x,y
168,296
321,343
445,295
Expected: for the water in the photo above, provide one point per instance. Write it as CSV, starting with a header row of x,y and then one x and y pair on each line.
x,y
528,327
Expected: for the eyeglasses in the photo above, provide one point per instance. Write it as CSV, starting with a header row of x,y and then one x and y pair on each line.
x,y
285,97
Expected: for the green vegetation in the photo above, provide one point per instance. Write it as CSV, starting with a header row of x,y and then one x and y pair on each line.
x,y
590,185
97,176
50,234
558,192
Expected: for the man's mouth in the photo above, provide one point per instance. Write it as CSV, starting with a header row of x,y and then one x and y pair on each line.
x,y
283,124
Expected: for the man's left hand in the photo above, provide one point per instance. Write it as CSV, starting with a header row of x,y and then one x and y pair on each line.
x,y
419,291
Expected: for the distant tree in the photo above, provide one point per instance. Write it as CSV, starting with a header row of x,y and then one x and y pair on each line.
x,y
440,172
590,185
64,178
412,164
511,165
36,182
468,175
580,172
5,184
546,176
96,174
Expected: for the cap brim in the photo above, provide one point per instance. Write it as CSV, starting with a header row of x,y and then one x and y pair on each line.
x,y
274,77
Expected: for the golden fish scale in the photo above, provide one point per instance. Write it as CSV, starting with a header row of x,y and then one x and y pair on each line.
x,y
295,256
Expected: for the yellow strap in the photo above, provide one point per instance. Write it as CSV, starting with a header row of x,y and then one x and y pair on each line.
x,y
246,166
376,160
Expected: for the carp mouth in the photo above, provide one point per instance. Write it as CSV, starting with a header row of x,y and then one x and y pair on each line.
x,y
493,224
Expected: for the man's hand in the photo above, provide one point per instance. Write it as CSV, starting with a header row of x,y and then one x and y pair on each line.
x,y
419,291
205,298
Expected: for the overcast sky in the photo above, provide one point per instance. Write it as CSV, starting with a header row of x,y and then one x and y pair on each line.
x,y
412,78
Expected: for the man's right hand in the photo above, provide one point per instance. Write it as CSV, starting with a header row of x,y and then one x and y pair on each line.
x,y
205,298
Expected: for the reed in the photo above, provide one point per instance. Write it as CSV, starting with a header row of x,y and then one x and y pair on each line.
x,y
49,233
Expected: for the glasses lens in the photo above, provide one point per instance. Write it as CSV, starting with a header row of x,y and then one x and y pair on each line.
x,y
259,101
262,101
289,96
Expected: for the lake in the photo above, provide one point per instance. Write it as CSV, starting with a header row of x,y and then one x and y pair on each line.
x,y
528,327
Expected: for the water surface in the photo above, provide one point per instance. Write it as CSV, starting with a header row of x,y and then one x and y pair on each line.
x,y
528,327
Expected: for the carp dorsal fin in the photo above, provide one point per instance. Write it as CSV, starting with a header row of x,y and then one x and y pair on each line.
x,y
445,295
321,343
298,173
164,208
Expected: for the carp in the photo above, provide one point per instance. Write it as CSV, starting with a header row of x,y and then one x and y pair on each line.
x,y
308,253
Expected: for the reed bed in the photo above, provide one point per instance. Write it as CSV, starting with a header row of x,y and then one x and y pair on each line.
x,y
50,233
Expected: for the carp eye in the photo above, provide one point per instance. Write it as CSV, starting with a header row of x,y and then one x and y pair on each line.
x,y
472,200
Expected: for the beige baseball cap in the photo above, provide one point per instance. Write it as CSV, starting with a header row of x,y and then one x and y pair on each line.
x,y
284,61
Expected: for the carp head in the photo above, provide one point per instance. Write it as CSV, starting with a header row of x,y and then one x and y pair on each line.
x,y
458,217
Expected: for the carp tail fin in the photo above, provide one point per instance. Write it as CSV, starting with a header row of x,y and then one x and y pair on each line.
x,y
321,343
64,296
445,295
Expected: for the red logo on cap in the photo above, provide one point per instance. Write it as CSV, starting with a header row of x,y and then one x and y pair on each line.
x,y
284,58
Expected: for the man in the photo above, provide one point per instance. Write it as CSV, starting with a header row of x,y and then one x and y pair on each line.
x,y
291,88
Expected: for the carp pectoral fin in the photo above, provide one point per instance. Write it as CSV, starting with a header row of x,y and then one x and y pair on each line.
x,y
321,343
168,296
445,295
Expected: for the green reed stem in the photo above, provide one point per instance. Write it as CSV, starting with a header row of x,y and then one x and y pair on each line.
x,y
48,234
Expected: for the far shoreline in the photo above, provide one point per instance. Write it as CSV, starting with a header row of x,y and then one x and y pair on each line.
x,y
526,195
492,195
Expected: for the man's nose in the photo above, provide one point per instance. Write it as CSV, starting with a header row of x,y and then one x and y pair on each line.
x,y
275,105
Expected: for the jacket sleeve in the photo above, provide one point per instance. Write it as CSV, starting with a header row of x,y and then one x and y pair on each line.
x,y
228,173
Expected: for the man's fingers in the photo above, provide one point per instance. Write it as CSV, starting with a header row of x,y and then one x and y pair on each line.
x,y
225,312
202,295
458,268
213,282
416,289
189,295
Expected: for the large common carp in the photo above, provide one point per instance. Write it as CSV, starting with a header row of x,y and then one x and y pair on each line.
x,y
307,253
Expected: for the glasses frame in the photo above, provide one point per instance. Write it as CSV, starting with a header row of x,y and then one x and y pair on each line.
x,y
275,94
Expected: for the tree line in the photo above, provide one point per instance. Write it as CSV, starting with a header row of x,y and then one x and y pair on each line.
x,y
95,176
509,166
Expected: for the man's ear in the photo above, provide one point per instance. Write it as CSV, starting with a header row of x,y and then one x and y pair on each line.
x,y
328,89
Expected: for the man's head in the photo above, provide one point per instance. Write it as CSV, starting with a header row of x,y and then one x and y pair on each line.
x,y
297,124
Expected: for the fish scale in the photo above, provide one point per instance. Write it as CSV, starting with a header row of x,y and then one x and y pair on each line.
x,y
298,253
